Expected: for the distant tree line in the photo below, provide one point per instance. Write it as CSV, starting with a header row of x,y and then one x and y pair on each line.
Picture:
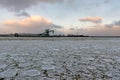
x,y
46,33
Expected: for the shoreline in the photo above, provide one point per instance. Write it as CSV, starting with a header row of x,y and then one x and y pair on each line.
x,y
59,38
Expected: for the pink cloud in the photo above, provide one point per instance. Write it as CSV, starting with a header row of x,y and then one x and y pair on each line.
x,y
96,19
31,24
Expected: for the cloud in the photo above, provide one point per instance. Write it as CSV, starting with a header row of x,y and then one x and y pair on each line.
x,y
96,19
102,30
112,29
72,28
23,5
115,23
107,1
17,6
33,24
98,30
23,14
109,25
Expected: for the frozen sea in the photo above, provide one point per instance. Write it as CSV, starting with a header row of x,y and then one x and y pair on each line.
x,y
59,58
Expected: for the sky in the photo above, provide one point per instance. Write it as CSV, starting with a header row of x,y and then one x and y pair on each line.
x,y
84,17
